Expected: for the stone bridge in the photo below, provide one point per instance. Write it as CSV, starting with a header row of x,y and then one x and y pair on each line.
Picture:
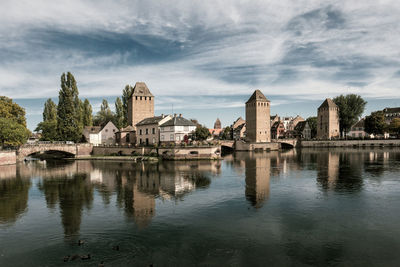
x,y
74,150
287,143
228,143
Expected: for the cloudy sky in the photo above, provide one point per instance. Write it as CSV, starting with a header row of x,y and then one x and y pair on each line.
x,y
204,57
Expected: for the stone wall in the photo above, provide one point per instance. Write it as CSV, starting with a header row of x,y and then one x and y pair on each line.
x,y
206,152
8,157
242,146
83,150
125,151
351,143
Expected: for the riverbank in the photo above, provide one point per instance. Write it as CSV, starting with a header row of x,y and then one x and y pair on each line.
x,y
117,158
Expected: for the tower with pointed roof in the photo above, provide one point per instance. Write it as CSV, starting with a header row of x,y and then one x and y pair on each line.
x,y
258,124
217,124
140,104
328,120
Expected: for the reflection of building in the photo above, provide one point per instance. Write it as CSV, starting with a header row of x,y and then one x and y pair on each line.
x,y
140,104
328,120
328,169
258,127
257,178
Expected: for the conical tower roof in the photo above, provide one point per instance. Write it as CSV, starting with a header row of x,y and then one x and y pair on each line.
x,y
328,103
141,89
257,96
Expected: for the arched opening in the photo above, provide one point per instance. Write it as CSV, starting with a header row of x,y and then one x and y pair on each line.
x,y
49,154
286,146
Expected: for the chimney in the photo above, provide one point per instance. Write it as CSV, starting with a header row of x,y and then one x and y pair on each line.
x,y
180,115
162,115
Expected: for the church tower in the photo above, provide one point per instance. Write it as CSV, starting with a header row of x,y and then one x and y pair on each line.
x,y
217,124
140,104
258,124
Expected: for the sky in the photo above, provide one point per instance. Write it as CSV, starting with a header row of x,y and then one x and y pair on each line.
x,y
204,58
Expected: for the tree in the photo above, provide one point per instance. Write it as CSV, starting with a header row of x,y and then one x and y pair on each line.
x,y
87,113
375,123
11,110
394,126
201,133
351,107
226,134
50,111
48,130
12,133
126,94
119,113
104,115
69,126
312,122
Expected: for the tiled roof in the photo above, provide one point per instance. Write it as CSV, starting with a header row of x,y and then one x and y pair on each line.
x,y
257,95
178,121
141,89
359,124
92,129
391,110
127,129
328,103
300,126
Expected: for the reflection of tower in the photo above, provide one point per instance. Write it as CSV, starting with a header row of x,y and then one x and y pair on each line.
x,y
257,178
328,169
143,207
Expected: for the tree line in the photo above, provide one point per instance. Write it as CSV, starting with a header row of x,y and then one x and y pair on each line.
x,y
66,120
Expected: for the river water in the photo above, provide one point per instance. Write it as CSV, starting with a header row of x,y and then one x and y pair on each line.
x,y
292,208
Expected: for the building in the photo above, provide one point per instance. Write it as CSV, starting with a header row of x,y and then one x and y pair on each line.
x,y
277,130
140,104
274,119
328,120
126,136
217,124
258,127
390,114
286,121
176,130
148,130
292,124
96,135
239,132
358,130
302,130
92,134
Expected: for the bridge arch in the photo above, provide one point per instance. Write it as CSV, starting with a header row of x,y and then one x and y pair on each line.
x,y
26,150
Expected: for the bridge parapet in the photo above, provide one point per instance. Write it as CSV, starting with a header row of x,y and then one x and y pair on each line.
x,y
74,149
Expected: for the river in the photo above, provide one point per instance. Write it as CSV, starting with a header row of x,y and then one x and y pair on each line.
x,y
290,208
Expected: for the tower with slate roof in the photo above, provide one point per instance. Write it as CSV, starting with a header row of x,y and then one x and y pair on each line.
x,y
258,124
328,120
140,104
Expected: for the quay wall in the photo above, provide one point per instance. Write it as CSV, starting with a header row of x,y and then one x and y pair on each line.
x,y
352,143
177,153
123,151
242,146
8,157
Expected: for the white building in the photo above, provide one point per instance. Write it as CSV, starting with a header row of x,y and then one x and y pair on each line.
x,y
92,134
357,130
175,129
96,135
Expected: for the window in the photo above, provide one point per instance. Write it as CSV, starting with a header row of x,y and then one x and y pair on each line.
x,y
136,98
140,141
162,137
171,128
113,130
186,128
177,138
171,138
147,131
154,140
153,131
140,132
140,98
106,130
145,98
150,98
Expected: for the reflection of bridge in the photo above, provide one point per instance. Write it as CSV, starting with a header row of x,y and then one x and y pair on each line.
x,y
283,143
74,150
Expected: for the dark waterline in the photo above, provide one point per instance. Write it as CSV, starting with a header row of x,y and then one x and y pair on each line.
x,y
296,208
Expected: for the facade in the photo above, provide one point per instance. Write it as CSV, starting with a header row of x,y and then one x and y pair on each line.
x,y
92,134
140,104
277,130
357,130
239,132
292,124
176,129
328,120
390,114
258,127
126,136
274,119
302,130
108,134
286,121
148,130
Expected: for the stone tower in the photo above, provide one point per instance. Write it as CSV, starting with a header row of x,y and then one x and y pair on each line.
x,y
140,104
328,120
217,124
258,124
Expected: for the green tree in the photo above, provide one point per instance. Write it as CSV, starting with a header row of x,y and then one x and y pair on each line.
x,y
104,115
227,133
11,110
48,130
351,107
394,126
126,94
119,113
312,122
87,113
50,111
69,126
375,123
12,133
201,133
